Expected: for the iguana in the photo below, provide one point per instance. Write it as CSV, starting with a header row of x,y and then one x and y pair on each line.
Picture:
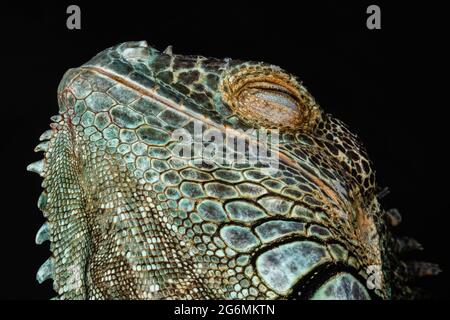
x,y
129,216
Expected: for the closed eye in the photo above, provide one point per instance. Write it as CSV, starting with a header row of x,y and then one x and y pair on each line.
x,y
270,98
273,93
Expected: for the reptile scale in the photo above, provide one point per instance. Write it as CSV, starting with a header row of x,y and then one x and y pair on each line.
x,y
128,217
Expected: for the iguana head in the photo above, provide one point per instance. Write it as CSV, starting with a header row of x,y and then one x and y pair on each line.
x,y
147,195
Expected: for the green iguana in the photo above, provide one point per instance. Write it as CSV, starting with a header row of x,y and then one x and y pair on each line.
x,y
143,200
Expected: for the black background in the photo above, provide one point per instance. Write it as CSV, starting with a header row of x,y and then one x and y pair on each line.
x,y
383,83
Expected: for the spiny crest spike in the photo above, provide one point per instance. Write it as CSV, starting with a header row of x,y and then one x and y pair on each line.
x,y
43,146
406,244
56,118
423,269
37,167
394,217
45,271
46,135
168,50
42,235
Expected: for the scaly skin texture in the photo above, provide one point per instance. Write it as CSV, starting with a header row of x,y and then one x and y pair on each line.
x,y
129,218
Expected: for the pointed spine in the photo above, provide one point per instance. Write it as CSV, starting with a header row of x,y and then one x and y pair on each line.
x,y
56,118
37,167
393,217
168,50
45,271
42,235
43,146
418,269
406,244
47,135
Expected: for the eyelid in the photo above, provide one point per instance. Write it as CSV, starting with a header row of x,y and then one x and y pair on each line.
x,y
279,98
268,86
